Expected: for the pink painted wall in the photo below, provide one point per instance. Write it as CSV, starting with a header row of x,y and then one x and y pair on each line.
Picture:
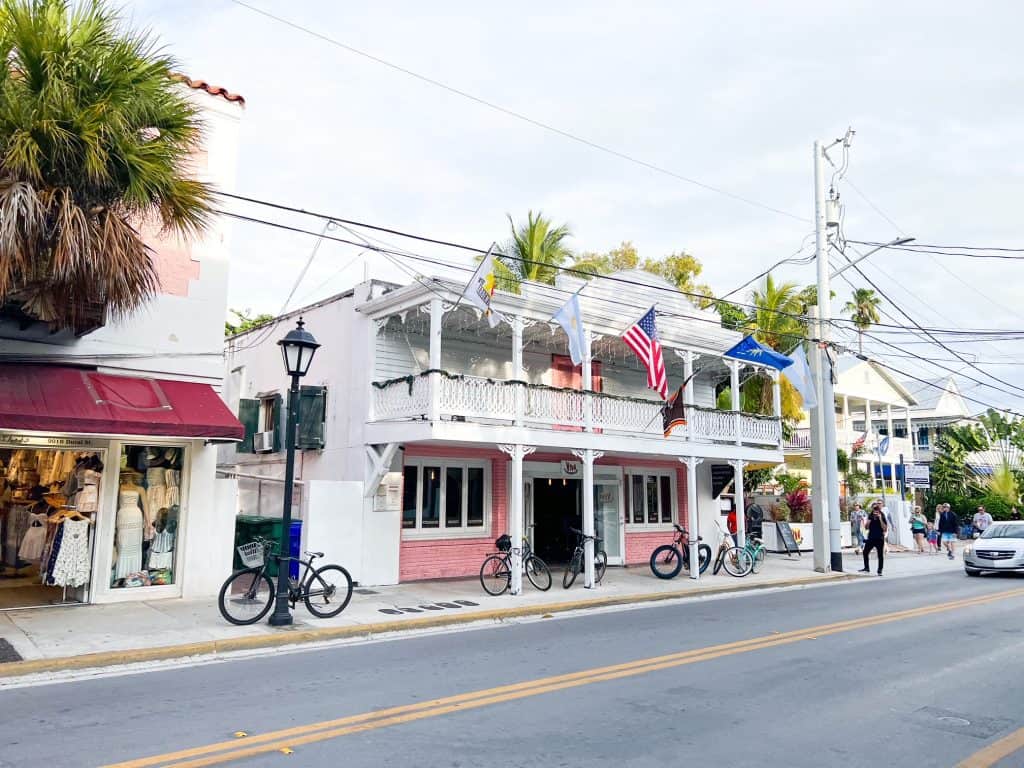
x,y
461,557
447,558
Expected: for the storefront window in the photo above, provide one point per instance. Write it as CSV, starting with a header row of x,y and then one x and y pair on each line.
x,y
147,518
444,496
475,512
650,498
453,497
409,486
431,497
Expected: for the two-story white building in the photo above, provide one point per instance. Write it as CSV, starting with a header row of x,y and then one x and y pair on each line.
x,y
114,423
426,433
870,405
939,405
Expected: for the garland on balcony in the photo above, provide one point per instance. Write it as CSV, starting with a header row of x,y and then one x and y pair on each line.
x,y
411,379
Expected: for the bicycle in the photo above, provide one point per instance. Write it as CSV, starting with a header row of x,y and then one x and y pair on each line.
x,y
575,565
757,553
737,561
248,595
496,571
668,559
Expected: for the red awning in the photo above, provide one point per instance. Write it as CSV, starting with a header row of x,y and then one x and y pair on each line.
x,y
47,398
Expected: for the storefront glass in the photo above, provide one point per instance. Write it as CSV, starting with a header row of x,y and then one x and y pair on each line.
x,y
49,502
147,518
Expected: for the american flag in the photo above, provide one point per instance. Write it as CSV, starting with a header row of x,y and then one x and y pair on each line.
x,y
642,338
859,443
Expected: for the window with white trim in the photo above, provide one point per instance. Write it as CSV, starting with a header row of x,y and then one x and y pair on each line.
x,y
650,498
446,496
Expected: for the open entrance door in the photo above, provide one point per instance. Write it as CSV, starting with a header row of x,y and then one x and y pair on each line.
x,y
557,508
608,519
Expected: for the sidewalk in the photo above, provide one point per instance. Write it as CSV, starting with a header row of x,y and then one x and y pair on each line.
x,y
49,639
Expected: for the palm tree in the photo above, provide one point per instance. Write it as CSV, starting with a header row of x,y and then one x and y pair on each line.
x,y
95,138
863,311
537,248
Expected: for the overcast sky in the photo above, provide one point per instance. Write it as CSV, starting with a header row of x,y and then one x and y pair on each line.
x,y
732,96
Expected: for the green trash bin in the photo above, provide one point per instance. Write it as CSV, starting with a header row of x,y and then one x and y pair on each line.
x,y
248,527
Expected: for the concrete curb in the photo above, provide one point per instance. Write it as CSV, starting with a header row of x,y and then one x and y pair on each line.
x,y
291,637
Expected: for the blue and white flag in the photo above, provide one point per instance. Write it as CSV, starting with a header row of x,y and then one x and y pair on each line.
x,y
883,446
571,319
750,351
800,377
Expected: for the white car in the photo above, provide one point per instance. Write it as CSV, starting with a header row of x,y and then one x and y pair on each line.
x,y
999,548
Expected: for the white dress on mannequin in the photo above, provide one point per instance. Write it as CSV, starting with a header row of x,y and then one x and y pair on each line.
x,y
130,524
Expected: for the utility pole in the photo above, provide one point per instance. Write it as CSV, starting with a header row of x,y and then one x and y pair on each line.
x,y
825,215
819,496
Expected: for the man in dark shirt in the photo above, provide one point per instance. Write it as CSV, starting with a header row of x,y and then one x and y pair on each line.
x,y
949,527
877,528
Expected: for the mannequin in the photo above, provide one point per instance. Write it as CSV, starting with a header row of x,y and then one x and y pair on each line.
x,y
133,518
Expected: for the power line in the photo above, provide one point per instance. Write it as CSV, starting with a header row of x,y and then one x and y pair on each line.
x,y
517,115
965,251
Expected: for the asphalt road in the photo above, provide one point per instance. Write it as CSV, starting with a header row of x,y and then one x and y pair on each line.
x,y
924,688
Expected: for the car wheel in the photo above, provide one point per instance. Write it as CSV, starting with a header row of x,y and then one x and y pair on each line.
x,y
972,571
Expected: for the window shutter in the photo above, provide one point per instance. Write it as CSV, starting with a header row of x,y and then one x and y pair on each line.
x,y
312,408
249,415
279,418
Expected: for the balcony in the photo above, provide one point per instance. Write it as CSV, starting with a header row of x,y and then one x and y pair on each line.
x,y
488,401
800,443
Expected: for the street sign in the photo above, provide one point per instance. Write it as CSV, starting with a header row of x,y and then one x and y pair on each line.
x,y
918,474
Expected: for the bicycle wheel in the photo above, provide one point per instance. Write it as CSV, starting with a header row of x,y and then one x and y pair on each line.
x,y
246,596
538,573
704,555
572,569
666,562
737,562
328,591
600,565
759,558
495,575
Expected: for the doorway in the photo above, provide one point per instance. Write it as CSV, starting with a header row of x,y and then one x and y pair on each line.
x,y
557,508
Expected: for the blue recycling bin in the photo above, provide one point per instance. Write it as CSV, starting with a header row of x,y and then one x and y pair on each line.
x,y
295,548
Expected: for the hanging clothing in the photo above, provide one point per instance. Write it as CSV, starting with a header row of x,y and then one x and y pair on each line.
x,y
156,495
173,483
15,527
71,567
129,526
50,554
161,551
32,544
88,483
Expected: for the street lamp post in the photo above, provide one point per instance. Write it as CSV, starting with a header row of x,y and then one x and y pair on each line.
x,y
297,349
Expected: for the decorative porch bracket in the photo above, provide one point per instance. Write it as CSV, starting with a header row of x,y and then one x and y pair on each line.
x,y
379,458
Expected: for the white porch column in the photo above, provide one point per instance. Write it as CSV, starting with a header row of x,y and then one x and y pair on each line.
x,y
588,385
687,356
692,518
588,456
870,432
776,400
436,320
846,413
734,385
910,430
888,420
515,512
741,518
518,374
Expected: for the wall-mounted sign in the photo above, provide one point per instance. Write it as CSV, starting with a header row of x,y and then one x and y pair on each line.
x,y
918,475
14,440
570,468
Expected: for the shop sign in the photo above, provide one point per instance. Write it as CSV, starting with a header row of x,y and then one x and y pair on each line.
x,y
11,440
570,468
918,475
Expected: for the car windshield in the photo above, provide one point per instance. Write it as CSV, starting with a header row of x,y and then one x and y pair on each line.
x,y
1004,531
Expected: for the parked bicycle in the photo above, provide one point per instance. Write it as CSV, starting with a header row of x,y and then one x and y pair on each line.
x,y
496,571
248,595
737,561
575,565
757,553
668,559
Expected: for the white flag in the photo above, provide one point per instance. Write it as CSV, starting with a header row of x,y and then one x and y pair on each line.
x,y
799,375
480,289
571,320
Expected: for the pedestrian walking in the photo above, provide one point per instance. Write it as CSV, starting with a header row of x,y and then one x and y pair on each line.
x,y
857,519
877,528
933,539
981,521
948,524
919,527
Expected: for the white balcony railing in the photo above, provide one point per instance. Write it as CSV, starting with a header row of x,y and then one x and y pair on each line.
x,y
489,401
800,441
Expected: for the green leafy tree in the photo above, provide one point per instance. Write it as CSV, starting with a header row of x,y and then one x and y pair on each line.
x,y
535,251
96,136
244,321
616,260
682,270
863,311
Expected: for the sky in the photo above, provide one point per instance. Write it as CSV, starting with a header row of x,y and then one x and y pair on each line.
x,y
731,95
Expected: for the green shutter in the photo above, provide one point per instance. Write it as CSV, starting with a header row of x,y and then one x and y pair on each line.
x,y
249,415
279,418
312,408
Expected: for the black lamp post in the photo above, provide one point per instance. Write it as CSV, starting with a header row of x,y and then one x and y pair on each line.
x,y
297,349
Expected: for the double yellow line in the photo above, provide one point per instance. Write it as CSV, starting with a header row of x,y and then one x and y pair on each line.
x,y
289,738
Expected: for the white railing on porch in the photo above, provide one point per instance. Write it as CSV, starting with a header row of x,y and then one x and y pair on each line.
x,y
489,401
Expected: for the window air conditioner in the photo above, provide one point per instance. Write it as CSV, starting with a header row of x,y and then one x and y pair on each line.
x,y
263,442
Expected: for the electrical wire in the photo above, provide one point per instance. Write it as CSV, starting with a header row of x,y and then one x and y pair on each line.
x,y
516,115
965,251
